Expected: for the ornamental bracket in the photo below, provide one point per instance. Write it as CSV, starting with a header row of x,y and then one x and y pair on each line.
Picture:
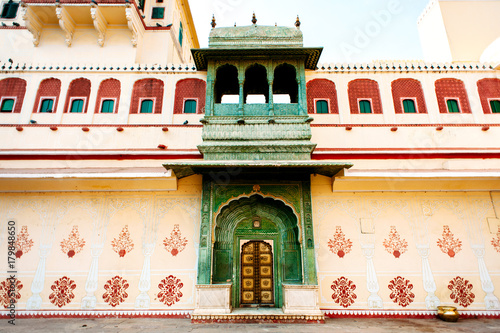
x,y
32,22
100,23
133,23
66,23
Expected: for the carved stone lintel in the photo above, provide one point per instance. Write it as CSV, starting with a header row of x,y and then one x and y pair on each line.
x,y
133,24
100,23
32,22
66,23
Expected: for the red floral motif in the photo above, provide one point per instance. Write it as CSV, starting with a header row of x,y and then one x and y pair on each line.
x,y
401,291
175,243
496,241
395,245
73,244
8,294
115,291
343,291
461,291
23,242
449,244
339,245
123,244
62,291
170,290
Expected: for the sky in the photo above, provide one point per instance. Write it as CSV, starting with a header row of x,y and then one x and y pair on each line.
x,y
348,30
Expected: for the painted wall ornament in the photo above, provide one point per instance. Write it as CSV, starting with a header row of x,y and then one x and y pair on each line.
x,y
401,291
116,291
496,241
123,244
62,291
73,244
23,243
448,244
461,291
395,245
170,290
8,294
176,243
339,244
343,291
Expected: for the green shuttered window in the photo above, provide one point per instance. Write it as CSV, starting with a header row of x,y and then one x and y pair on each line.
x,y
158,13
409,106
76,106
147,106
190,106
321,107
495,106
108,106
7,105
9,10
365,106
47,106
452,105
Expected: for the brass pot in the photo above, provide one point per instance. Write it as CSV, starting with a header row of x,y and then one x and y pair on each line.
x,y
448,313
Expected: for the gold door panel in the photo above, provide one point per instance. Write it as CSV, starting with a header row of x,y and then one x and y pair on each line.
x,y
257,287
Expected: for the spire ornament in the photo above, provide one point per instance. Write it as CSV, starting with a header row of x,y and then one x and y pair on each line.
x,y
297,22
254,19
213,21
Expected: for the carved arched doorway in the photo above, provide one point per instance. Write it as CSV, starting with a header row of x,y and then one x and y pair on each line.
x,y
267,227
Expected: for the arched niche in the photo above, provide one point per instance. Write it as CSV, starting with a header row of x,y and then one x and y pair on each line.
x,y
278,223
285,82
256,82
226,82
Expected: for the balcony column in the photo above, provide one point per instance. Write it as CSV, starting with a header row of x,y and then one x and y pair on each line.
x,y
242,95
271,100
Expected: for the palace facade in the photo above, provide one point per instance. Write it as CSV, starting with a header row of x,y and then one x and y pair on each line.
x,y
146,176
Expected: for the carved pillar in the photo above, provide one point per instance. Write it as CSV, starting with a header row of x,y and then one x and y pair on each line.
x,y
90,301
35,300
490,299
143,301
431,300
209,105
271,100
374,300
242,95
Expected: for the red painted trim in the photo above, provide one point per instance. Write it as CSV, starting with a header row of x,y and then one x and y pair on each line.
x,y
404,125
380,315
65,157
100,125
402,150
12,27
403,156
93,314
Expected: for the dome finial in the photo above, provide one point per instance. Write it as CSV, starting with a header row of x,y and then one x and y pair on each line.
x,y
254,19
213,21
297,22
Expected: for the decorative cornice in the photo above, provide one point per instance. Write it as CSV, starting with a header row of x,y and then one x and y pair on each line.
x,y
403,66
143,68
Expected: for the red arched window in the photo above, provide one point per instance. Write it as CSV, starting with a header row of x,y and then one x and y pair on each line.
x,y
321,96
12,92
451,96
77,100
190,96
47,96
147,96
364,96
489,93
408,96
108,96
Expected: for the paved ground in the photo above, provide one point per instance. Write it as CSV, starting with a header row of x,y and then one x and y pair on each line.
x,y
184,325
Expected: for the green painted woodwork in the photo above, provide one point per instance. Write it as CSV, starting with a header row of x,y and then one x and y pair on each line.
x,y
409,106
47,105
365,106
495,106
321,106
190,106
147,106
76,106
108,106
7,105
452,105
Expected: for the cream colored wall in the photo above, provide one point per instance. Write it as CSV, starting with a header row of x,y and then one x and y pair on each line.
x,y
458,30
419,218
100,217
